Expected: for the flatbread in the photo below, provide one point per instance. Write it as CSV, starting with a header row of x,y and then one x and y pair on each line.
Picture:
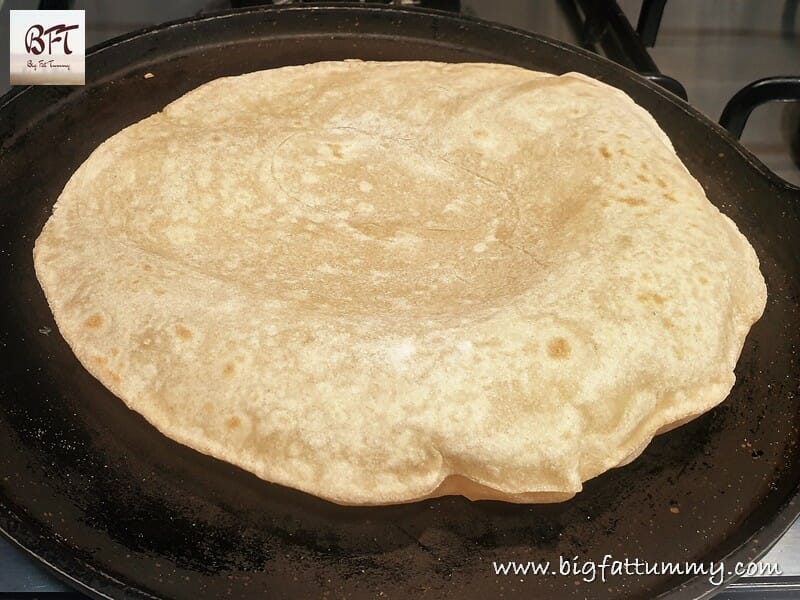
x,y
384,281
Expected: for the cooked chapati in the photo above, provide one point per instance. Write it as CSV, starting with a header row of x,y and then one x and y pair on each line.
x,y
383,281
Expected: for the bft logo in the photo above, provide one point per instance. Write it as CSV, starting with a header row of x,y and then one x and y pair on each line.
x,y
48,47
35,38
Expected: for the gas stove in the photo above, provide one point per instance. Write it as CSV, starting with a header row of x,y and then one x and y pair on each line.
x,y
726,61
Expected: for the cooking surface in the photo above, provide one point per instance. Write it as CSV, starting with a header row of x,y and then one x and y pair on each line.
x,y
17,572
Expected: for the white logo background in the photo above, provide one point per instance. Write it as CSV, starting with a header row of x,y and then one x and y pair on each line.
x,y
42,53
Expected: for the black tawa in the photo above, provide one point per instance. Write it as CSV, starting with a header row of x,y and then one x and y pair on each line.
x,y
118,510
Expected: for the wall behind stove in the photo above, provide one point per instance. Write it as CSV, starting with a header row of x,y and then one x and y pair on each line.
x,y
715,47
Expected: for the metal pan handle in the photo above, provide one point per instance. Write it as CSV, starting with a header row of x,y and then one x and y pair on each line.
x,y
772,89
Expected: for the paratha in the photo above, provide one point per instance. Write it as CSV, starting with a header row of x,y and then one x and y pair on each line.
x,y
384,281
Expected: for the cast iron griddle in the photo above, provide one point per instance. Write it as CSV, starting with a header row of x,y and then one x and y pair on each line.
x,y
119,510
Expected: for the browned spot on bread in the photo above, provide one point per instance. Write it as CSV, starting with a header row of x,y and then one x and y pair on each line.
x,y
480,133
233,422
605,152
558,348
643,178
631,201
336,150
703,280
147,267
114,352
645,166
651,297
667,323
669,197
182,332
661,182
208,407
228,369
159,292
94,321
647,276
504,232
100,363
